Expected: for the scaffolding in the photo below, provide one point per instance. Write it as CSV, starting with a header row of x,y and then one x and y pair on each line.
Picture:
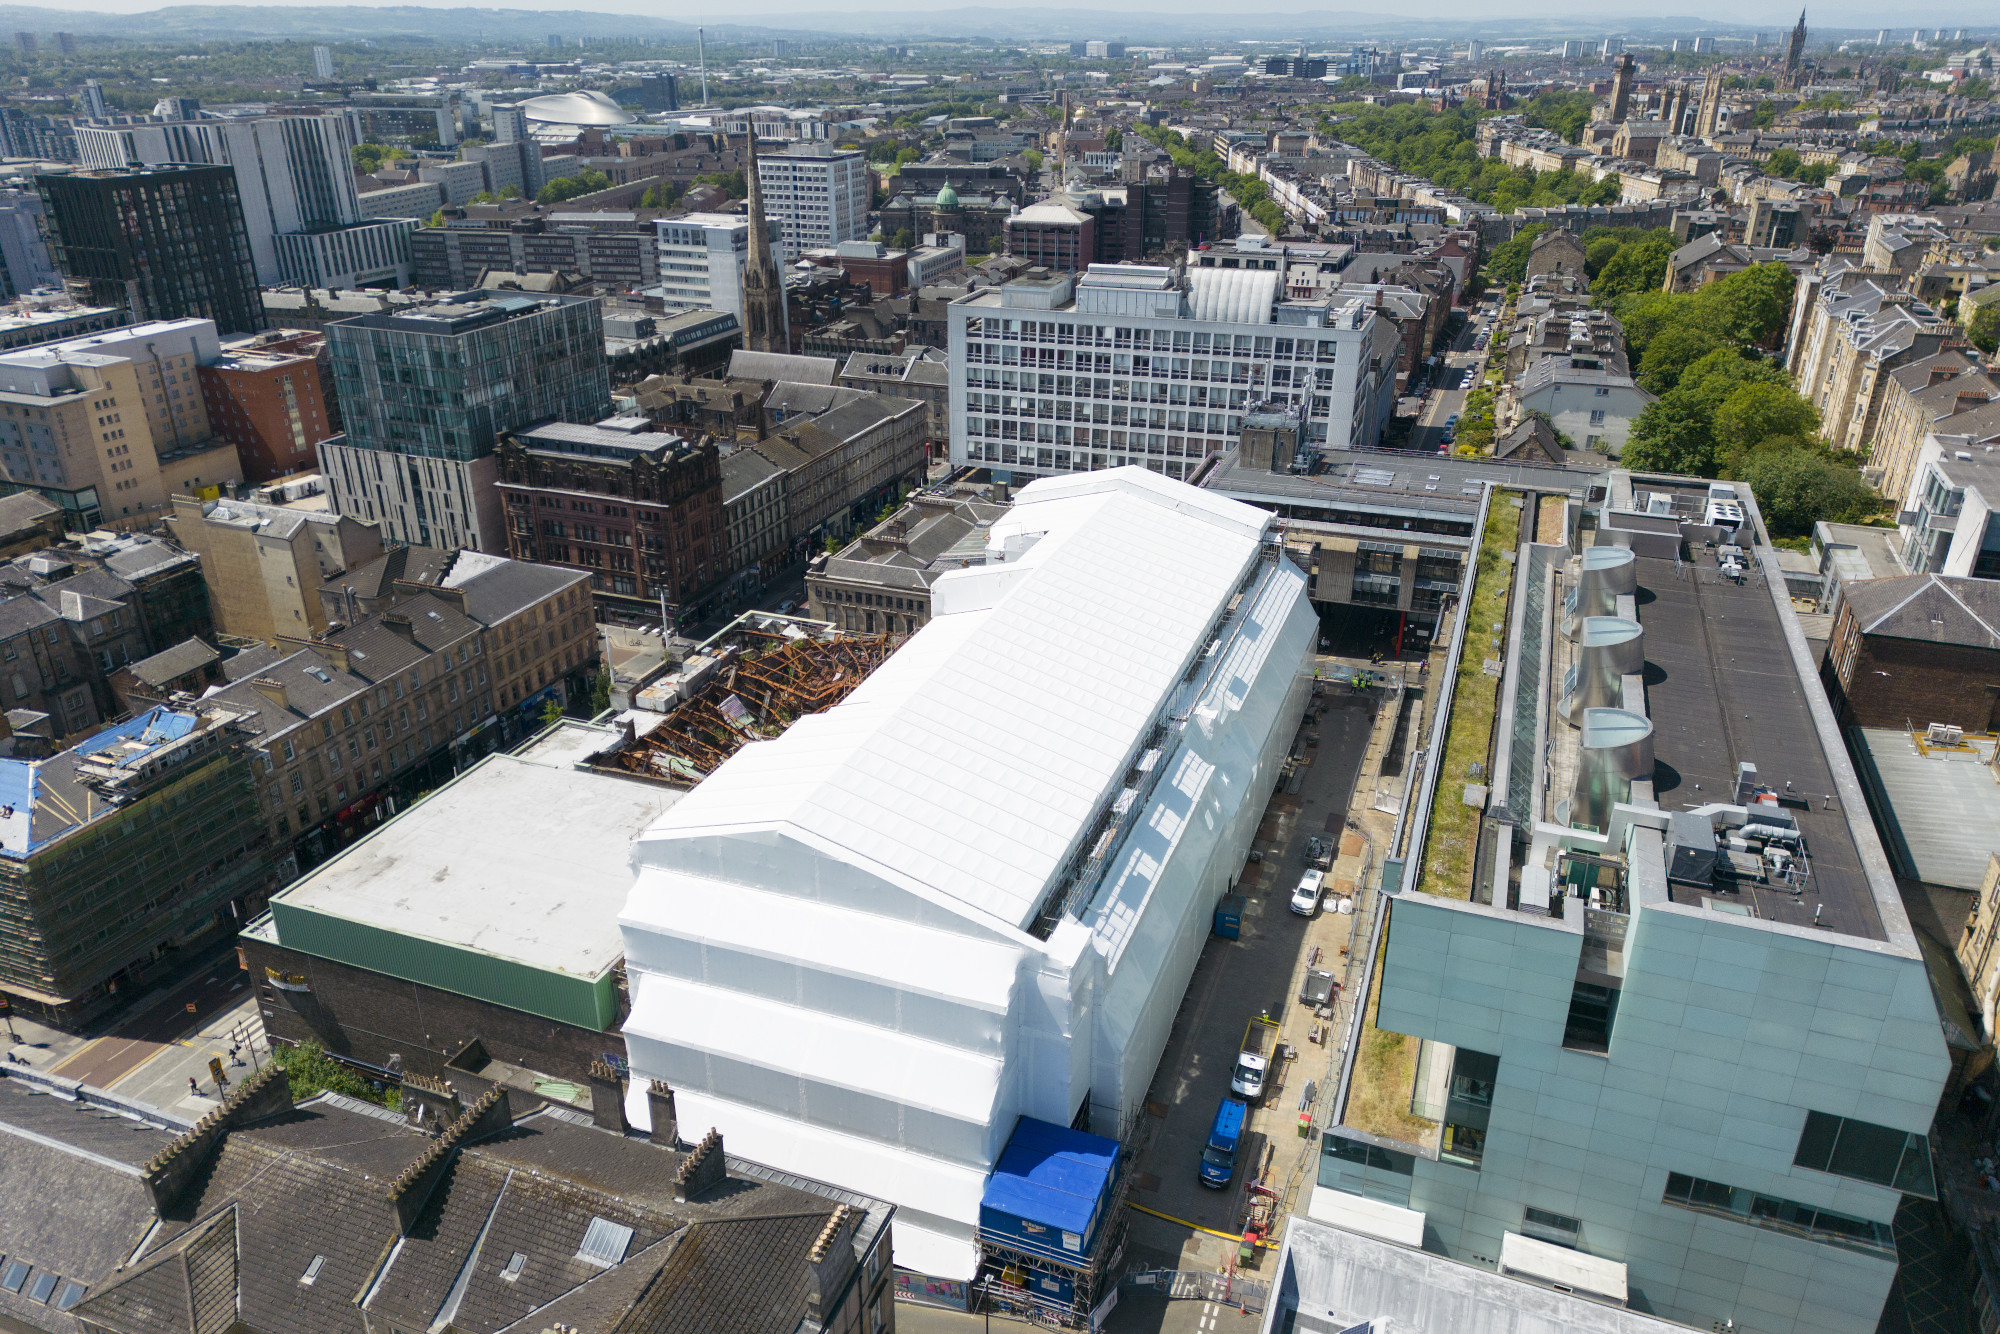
x,y
771,682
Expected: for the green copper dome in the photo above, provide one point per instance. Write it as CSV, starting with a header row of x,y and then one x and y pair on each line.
x,y
947,197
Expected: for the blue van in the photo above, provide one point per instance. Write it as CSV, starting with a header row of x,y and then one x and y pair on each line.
x,y
1218,1158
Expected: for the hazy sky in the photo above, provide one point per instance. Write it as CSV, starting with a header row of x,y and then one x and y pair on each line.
x,y
1586,18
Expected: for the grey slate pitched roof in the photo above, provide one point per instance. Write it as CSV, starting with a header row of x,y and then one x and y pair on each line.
x,y
1933,608
373,579
20,511
71,1199
190,655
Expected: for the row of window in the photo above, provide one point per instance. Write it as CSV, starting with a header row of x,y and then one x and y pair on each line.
x,y
1264,347
24,1280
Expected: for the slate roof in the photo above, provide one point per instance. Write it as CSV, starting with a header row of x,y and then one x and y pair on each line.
x,y
288,1226
496,590
1532,439
306,1183
20,511
1932,608
373,579
743,471
376,651
747,365
71,1200
306,695
190,655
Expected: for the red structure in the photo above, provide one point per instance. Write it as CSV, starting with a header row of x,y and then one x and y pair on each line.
x,y
266,396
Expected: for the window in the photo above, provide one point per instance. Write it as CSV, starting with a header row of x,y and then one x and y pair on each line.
x,y
14,1275
72,1293
514,1266
1866,1152
1558,1229
1592,1010
44,1285
1597,416
312,1271
1820,1225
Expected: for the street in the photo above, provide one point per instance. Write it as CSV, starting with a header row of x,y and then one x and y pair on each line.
x,y
150,1052
1136,1313
1461,362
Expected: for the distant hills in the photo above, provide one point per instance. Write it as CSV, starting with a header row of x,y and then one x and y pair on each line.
x,y
530,27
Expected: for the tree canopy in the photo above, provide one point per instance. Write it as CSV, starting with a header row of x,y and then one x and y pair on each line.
x,y
569,187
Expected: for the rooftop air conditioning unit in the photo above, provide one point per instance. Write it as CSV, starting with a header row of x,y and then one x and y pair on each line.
x,y
1943,734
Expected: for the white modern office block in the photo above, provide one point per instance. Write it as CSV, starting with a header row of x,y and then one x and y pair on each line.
x,y
293,173
365,254
701,261
1150,366
817,195
976,889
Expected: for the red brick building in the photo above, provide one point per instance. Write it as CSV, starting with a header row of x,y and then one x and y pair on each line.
x,y
266,396
640,510
1914,650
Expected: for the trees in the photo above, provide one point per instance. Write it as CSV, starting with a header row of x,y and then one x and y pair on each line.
x,y
1034,158
1633,267
1755,413
1796,486
1475,423
1509,261
902,240
1598,253
1672,351
1984,330
1748,307
569,187
368,158
1566,113
510,192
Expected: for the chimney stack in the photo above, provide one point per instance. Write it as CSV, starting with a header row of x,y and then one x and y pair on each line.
x,y
666,1130
607,1097
703,1169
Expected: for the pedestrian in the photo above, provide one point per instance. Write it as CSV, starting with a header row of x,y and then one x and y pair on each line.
x,y
234,1059
193,1088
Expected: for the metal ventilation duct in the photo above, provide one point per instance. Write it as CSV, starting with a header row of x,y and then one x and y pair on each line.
x,y
1616,747
1604,575
1607,647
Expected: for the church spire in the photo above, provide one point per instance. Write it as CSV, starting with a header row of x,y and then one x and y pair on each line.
x,y
764,316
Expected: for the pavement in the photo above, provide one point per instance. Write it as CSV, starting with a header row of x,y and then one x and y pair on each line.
x,y
1338,786
150,1050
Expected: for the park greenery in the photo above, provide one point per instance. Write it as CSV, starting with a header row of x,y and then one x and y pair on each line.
x,y
1442,146
1724,409
569,187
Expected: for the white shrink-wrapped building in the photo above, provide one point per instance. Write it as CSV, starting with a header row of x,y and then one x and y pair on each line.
x,y
976,889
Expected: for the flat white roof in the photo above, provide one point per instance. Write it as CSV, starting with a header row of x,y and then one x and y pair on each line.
x,y
513,859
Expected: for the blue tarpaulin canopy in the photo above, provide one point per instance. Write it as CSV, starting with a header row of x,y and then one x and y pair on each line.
x,y
1053,1176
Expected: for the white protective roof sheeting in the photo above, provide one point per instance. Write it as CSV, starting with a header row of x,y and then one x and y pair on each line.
x,y
972,761
1233,296
1358,1213
819,1048
915,1182
888,950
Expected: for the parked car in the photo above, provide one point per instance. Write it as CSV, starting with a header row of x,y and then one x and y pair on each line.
x,y
1305,899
